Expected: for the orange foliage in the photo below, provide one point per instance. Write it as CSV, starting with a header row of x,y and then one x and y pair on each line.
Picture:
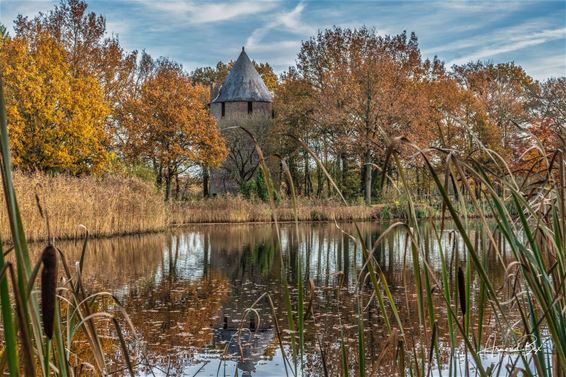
x,y
51,126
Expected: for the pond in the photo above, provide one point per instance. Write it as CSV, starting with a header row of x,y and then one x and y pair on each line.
x,y
187,290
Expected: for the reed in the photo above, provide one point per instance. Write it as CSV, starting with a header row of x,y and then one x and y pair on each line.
x,y
535,234
119,205
48,289
236,209
106,206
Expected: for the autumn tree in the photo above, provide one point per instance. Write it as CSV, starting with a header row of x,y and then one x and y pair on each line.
x,y
52,128
550,105
88,50
242,162
294,106
504,92
168,125
368,89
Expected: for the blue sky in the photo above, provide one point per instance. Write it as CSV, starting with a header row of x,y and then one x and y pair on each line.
x,y
198,33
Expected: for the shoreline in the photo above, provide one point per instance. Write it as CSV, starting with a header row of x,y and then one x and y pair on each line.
x,y
207,224
74,204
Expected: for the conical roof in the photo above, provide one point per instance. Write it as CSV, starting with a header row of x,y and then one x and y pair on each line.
x,y
243,83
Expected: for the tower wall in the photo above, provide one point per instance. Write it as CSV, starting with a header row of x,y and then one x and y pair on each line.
x,y
235,110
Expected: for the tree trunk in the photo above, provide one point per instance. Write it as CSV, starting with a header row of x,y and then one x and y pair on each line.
x,y
345,168
158,175
367,178
294,176
307,175
319,181
168,179
205,181
177,188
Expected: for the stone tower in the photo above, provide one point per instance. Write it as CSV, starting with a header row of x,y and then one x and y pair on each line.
x,y
242,100
243,93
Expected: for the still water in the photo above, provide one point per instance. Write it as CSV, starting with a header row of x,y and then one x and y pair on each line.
x,y
187,290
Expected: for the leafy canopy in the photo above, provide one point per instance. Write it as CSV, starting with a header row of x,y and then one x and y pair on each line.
x,y
56,119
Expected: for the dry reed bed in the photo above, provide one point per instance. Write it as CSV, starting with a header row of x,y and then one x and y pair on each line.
x,y
235,209
109,205
118,205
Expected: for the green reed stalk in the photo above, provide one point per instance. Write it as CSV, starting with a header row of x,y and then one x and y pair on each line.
x,y
361,347
61,353
9,324
11,346
445,276
300,309
368,259
299,274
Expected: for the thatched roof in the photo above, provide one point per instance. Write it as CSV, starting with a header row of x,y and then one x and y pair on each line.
x,y
243,84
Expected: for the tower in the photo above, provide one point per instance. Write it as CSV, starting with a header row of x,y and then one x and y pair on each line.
x,y
242,100
243,93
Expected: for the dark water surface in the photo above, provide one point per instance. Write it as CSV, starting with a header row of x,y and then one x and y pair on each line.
x,y
187,290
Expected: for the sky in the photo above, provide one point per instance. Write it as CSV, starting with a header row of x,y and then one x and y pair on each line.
x,y
200,33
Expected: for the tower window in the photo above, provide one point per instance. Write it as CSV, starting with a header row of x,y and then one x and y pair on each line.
x,y
250,107
223,109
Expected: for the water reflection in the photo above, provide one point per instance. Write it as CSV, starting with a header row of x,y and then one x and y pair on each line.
x,y
186,293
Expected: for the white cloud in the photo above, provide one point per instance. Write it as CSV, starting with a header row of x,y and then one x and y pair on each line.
x,y
286,21
512,43
118,28
477,6
208,12
552,66
495,36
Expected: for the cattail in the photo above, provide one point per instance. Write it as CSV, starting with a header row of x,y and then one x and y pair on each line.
x,y
48,288
462,290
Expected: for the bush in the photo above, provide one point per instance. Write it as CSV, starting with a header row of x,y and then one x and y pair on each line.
x,y
261,186
120,167
248,189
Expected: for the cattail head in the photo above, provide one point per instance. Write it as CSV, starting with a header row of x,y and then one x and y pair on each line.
x,y
48,288
462,290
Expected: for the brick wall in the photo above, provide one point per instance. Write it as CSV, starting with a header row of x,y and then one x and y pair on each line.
x,y
235,110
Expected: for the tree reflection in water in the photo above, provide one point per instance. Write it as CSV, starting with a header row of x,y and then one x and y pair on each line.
x,y
186,293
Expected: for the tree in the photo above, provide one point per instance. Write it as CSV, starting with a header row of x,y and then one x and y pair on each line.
x,y
460,121
504,92
551,105
294,106
242,161
369,91
87,51
52,128
168,124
